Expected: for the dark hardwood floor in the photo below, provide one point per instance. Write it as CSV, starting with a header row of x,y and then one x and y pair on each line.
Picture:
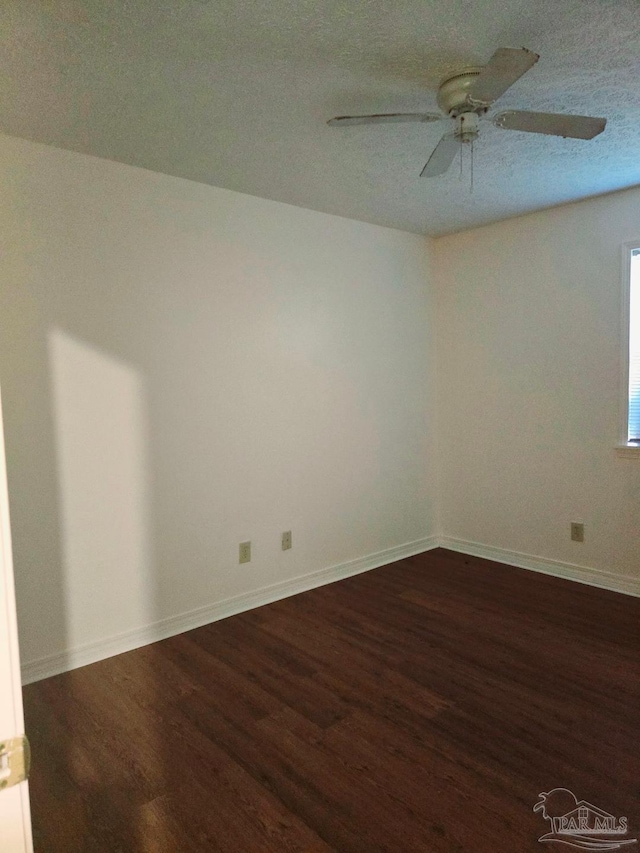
x,y
422,706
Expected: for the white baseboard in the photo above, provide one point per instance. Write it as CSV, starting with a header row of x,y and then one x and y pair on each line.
x,y
93,652
569,571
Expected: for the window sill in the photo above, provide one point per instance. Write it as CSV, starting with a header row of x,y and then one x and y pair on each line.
x,y
629,450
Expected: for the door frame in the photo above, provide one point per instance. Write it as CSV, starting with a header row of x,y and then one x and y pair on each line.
x,y
15,813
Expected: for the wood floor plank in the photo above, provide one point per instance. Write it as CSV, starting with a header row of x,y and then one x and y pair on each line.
x,y
417,708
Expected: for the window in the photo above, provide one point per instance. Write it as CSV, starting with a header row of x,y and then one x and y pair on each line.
x,y
631,346
633,433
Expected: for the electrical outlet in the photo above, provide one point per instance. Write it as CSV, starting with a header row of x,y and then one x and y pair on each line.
x,y
245,552
286,540
577,531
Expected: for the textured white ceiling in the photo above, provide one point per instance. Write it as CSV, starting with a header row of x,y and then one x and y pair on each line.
x,y
236,93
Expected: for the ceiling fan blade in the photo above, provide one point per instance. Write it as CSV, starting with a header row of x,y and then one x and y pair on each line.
x,y
442,156
507,65
555,124
384,118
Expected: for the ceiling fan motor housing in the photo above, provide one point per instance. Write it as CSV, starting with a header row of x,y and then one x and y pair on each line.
x,y
453,94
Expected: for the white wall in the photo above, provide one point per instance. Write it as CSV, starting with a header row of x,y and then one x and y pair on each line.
x,y
528,376
184,368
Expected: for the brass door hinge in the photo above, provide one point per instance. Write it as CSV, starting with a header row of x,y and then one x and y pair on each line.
x,y
15,761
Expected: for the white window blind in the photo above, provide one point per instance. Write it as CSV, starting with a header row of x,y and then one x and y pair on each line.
x,y
634,348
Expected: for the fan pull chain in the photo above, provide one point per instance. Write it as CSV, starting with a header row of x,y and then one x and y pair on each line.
x,y
471,192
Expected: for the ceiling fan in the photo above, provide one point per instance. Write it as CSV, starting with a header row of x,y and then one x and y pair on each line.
x,y
467,96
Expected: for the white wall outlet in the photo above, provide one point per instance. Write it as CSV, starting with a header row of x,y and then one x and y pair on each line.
x,y
245,552
286,540
577,531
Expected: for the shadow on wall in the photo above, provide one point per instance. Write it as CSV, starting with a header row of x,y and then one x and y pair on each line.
x,y
103,478
81,722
